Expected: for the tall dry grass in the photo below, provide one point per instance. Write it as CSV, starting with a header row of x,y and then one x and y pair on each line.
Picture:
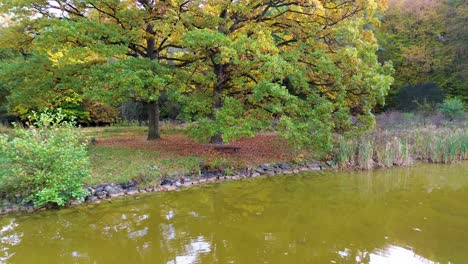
x,y
400,139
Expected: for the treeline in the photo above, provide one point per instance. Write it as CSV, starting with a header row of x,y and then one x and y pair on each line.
x,y
426,41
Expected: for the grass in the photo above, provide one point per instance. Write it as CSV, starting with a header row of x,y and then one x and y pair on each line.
x,y
112,131
116,164
122,154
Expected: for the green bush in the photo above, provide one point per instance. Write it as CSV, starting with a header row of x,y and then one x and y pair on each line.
x,y
44,163
452,107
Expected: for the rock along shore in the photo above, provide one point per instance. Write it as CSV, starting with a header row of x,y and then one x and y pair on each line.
x,y
107,191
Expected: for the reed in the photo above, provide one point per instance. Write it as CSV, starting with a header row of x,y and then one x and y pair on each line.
x,y
399,147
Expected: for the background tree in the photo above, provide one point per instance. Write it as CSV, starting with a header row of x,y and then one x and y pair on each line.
x,y
457,36
424,40
5,54
99,32
34,83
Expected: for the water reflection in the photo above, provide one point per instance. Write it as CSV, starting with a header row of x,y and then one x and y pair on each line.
x,y
378,217
168,231
193,250
138,233
396,254
8,238
77,255
388,255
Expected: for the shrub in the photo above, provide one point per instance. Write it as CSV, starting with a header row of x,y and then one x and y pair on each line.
x,y
100,113
44,163
452,108
425,107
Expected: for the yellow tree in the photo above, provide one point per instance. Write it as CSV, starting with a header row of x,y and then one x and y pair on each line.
x,y
306,65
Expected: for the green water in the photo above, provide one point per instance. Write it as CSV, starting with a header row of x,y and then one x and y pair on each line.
x,y
405,215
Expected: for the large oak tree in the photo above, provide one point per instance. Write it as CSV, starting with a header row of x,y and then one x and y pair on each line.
x,y
307,66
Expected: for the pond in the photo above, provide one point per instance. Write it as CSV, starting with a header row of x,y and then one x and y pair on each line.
x,y
403,215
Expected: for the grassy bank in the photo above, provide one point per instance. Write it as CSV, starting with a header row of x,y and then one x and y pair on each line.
x,y
121,152
120,164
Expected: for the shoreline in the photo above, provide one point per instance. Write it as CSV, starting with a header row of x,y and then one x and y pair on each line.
x,y
108,191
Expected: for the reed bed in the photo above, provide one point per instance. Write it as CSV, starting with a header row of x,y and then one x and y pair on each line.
x,y
399,147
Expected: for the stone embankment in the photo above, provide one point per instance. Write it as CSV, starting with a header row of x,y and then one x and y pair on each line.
x,y
107,191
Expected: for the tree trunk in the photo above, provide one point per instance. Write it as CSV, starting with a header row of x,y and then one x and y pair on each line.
x,y
217,99
217,139
153,118
153,106
221,79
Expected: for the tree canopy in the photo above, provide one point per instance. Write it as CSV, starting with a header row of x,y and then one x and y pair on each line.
x,y
307,65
